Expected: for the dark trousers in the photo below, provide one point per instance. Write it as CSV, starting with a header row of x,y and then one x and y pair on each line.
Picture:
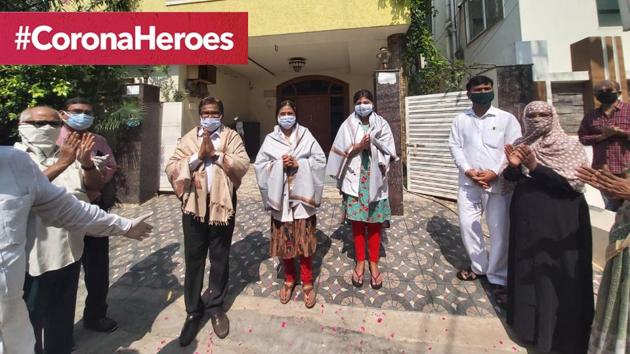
x,y
200,241
51,300
96,267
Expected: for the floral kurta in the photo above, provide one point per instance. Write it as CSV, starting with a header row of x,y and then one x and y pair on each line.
x,y
359,209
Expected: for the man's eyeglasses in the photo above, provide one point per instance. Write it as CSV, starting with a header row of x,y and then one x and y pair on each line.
x,y
41,123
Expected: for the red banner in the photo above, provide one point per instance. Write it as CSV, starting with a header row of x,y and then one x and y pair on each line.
x,y
123,38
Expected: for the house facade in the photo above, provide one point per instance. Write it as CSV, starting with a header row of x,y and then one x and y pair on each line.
x,y
570,43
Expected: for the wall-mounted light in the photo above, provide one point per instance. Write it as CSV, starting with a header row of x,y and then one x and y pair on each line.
x,y
146,71
383,55
297,63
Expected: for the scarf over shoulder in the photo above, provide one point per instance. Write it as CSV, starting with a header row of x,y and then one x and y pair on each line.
x,y
191,187
382,151
306,185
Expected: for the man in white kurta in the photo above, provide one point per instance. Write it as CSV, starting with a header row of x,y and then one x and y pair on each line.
x,y
476,141
24,190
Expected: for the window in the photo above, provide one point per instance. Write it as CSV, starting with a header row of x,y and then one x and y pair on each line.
x,y
481,15
608,13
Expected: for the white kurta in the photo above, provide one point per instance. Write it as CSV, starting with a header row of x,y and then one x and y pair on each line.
x,y
24,190
478,143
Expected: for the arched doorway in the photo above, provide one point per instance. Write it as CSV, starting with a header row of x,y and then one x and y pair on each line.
x,y
322,103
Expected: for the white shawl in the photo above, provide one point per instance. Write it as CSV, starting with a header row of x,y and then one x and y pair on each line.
x,y
306,185
382,150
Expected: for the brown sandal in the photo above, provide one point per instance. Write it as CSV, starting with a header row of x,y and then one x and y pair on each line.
x,y
468,275
310,297
286,292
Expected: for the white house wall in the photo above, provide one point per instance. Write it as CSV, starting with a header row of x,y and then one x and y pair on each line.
x,y
563,22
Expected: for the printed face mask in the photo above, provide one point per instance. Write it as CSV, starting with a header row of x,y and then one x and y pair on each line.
x,y
286,122
363,110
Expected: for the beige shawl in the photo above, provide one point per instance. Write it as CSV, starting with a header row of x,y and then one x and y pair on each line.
x,y
194,196
551,145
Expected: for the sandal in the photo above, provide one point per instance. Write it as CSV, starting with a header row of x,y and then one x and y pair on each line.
x,y
286,292
310,297
357,279
468,275
376,282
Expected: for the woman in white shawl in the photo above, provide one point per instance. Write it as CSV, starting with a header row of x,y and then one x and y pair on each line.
x,y
290,172
359,160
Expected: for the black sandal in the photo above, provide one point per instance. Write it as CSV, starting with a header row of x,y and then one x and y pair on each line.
x,y
376,282
468,275
357,279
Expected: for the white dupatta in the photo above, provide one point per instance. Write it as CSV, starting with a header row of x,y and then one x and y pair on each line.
x,y
382,150
305,186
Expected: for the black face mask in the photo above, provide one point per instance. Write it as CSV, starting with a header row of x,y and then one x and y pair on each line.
x,y
607,97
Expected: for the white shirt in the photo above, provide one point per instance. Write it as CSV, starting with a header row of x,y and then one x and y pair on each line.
x,y
209,164
478,142
299,211
55,248
23,190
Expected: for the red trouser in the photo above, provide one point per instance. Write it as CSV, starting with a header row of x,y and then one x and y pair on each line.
x,y
306,270
374,240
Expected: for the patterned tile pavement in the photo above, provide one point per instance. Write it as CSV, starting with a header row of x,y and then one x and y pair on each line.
x,y
420,253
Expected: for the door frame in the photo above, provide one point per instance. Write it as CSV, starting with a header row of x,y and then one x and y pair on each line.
x,y
331,80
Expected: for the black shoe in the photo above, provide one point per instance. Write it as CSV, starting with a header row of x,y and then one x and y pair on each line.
x,y
104,324
220,324
191,327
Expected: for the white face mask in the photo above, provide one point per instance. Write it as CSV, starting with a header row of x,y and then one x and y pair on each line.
x,y
210,124
42,140
286,122
363,110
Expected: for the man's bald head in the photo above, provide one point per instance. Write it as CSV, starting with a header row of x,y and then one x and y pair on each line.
x,y
39,113
607,85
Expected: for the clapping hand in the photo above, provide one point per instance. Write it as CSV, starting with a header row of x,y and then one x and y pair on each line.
x,y
528,157
84,151
68,150
514,157
605,181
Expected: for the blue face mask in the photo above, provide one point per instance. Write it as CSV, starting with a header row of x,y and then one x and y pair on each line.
x,y
286,122
80,121
363,110
210,124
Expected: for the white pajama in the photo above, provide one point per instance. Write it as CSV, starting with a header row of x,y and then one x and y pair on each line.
x,y
472,203
478,143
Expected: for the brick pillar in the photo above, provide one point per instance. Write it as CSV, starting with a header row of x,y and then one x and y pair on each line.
x,y
515,88
397,44
139,162
387,95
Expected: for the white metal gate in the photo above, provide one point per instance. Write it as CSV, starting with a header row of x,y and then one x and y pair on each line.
x,y
430,166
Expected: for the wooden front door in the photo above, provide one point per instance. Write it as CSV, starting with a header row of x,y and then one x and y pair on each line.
x,y
314,113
